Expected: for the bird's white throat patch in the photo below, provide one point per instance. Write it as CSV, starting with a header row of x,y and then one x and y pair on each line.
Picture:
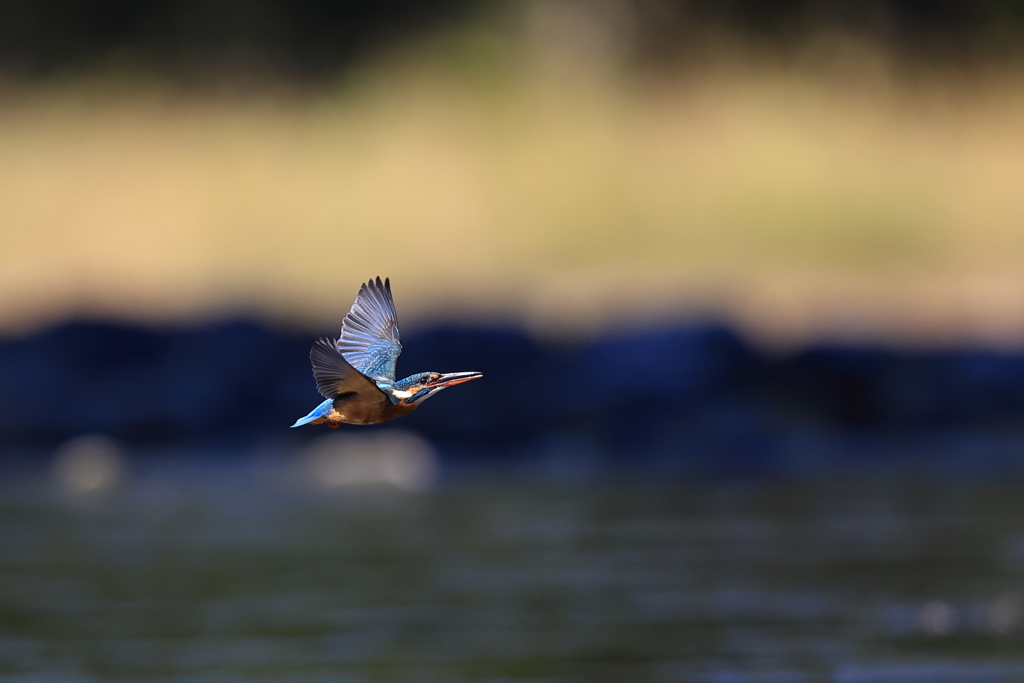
x,y
401,394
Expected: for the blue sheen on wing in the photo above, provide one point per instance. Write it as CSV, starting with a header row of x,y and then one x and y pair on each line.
x,y
369,334
379,359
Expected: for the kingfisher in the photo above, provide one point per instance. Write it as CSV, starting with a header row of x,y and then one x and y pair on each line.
x,y
356,372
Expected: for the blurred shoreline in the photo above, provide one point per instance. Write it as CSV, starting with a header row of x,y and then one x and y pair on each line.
x,y
688,402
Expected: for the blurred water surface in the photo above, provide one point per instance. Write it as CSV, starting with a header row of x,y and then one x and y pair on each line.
x,y
241,571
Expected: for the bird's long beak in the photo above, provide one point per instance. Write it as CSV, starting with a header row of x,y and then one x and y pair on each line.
x,y
453,378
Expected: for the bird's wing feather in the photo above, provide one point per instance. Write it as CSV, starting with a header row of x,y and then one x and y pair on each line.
x,y
369,334
334,376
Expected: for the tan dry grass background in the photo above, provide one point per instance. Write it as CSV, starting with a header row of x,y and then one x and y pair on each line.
x,y
793,200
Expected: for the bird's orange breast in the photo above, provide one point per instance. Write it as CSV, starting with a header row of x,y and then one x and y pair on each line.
x,y
356,412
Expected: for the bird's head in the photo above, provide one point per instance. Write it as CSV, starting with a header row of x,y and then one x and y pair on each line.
x,y
415,389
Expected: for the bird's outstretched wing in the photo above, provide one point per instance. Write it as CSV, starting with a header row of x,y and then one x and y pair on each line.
x,y
334,376
369,334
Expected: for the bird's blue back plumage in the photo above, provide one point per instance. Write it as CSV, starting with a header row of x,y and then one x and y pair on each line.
x,y
322,410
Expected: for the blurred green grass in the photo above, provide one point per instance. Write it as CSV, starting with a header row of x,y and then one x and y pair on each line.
x,y
793,197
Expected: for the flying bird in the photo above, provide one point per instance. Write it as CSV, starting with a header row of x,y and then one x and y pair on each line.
x,y
356,372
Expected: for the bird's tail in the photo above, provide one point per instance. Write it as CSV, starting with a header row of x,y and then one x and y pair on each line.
x,y
320,411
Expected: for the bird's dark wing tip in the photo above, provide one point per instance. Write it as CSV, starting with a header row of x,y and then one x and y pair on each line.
x,y
329,367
